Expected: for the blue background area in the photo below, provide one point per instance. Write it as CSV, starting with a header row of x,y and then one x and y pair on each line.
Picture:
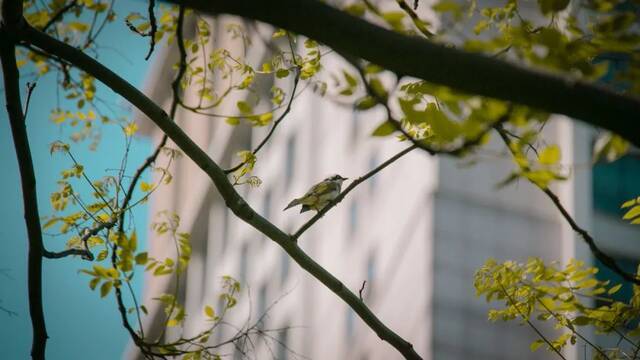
x,y
80,324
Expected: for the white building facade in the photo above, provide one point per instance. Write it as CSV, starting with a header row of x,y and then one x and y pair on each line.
x,y
416,233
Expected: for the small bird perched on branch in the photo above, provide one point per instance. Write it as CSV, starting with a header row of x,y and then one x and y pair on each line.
x,y
319,195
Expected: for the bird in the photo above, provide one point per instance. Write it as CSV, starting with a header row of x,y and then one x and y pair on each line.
x,y
319,195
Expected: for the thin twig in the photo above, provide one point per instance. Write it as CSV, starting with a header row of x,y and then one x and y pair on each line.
x,y
154,28
275,124
572,329
286,111
30,87
59,14
362,289
605,259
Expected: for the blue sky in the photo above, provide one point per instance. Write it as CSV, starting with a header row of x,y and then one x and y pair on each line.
x,y
79,323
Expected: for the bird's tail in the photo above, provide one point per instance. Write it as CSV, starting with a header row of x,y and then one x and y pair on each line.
x,y
293,203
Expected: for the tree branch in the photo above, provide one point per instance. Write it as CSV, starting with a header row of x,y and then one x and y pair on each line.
x,y
232,199
468,72
154,28
84,253
607,260
11,11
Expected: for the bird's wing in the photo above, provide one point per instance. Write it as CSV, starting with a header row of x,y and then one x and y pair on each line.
x,y
318,189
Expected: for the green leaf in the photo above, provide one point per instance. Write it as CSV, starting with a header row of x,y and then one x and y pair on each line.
x,y
282,73
356,9
614,289
244,107
481,26
142,258
102,255
626,204
50,223
550,155
581,321
208,310
635,211
365,103
536,344
384,129
78,26
105,288
350,79
94,282
548,6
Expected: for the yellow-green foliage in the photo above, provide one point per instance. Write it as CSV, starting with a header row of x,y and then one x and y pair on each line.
x,y
564,296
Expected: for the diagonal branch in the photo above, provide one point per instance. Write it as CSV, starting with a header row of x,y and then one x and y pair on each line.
x,y
607,260
464,71
231,197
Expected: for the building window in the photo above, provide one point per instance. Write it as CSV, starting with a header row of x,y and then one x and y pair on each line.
x,y
290,159
355,127
262,305
224,236
285,265
283,343
629,266
244,264
353,217
350,323
266,204
373,181
371,274
615,183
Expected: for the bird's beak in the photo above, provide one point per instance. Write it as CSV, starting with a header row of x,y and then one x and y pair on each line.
x,y
344,178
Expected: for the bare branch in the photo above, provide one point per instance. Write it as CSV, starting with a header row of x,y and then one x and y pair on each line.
x,y
231,197
296,79
84,253
607,260
362,289
154,28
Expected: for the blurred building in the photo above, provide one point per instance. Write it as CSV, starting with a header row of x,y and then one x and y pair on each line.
x,y
416,232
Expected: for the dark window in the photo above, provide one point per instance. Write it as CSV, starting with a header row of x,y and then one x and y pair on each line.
x,y
353,217
290,161
283,344
371,274
350,323
225,229
615,183
262,305
244,263
373,181
285,262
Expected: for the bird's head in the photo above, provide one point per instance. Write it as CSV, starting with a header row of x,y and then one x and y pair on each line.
x,y
336,178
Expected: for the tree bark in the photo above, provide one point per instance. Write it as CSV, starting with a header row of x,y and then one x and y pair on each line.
x,y
11,11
